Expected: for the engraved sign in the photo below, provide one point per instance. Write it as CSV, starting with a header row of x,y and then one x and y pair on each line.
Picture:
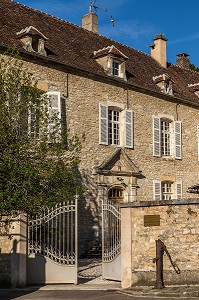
x,y
151,220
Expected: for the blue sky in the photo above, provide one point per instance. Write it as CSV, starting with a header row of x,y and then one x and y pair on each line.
x,y
137,22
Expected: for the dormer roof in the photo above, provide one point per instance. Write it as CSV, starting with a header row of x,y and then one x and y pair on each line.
x,y
30,31
110,50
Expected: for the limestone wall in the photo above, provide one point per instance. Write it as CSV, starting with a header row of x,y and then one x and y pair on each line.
x,y
82,93
178,229
13,251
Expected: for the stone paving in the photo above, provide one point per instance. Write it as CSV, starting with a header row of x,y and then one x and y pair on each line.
x,y
90,272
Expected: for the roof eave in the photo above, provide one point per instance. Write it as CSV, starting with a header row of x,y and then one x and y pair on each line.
x,y
108,78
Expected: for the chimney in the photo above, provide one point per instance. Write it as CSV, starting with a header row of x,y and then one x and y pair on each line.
x,y
90,22
158,50
183,61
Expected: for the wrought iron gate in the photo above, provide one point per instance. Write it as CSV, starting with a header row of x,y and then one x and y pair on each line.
x,y
111,240
53,245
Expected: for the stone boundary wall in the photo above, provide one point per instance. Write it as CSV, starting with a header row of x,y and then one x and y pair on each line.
x,y
13,251
178,228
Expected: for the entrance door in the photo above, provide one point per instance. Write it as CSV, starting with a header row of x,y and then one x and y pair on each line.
x,y
53,245
111,239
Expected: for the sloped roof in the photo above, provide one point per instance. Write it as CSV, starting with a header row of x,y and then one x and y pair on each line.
x,y
73,45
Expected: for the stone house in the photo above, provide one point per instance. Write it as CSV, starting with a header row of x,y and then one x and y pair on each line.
x,y
139,113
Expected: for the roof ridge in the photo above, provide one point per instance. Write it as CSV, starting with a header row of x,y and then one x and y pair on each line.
x,y
75,25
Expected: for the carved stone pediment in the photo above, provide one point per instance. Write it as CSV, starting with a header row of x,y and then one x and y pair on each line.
x,y
118,164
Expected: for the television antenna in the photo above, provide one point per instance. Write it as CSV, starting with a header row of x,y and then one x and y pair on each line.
x,y
92,6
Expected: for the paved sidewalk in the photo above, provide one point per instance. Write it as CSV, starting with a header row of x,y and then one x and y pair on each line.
x,y
177,291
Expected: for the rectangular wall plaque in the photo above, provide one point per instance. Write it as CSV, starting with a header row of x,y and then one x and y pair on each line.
x,y
151,220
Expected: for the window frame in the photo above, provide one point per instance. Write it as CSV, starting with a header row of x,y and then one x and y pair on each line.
x,y
114,126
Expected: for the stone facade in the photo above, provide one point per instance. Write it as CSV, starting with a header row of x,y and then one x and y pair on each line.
x,y
178,230
83,94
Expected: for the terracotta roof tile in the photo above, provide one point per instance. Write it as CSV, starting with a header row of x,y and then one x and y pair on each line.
x,y
73,45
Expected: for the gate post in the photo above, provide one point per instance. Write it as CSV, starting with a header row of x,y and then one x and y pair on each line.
x,y
126,247
19,251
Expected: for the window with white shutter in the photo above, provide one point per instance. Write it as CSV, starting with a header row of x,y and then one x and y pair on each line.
x,y
167,190
103,124
54,110
129,129
157,193
164,138
178,139
156,136
116,126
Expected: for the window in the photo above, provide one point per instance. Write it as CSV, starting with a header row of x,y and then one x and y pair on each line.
x,y
54,110
115,194
115,68
35,43
167,190
113,127
167,139
112,131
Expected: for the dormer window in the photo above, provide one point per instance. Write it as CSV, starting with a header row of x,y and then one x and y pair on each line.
x,y
165,83
112,60
32,40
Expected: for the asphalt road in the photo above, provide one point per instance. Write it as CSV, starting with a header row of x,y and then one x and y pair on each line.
x,y
72,295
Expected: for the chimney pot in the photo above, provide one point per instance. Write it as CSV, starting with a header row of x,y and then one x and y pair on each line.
x,y
183,61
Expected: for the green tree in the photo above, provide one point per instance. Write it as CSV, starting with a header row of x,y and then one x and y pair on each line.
x,y
193,67
38,160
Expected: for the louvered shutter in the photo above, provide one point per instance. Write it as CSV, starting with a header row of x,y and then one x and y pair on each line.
x,y
156,136
178,190
129,138
103,124
178,139
54,109
157,194
198,140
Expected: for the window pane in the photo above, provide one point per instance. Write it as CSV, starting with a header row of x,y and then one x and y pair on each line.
x,y
115,68
165,138
113,127
166,191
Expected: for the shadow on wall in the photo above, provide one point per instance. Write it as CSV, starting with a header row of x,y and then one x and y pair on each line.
x,y
89,214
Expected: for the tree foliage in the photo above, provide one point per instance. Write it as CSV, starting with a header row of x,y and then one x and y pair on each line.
x,y
193,67
38,163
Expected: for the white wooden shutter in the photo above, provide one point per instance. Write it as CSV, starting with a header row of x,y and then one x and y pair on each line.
x,y
157,193
156,136
129,138
178,189
103,124
198,140
178,139
54,109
